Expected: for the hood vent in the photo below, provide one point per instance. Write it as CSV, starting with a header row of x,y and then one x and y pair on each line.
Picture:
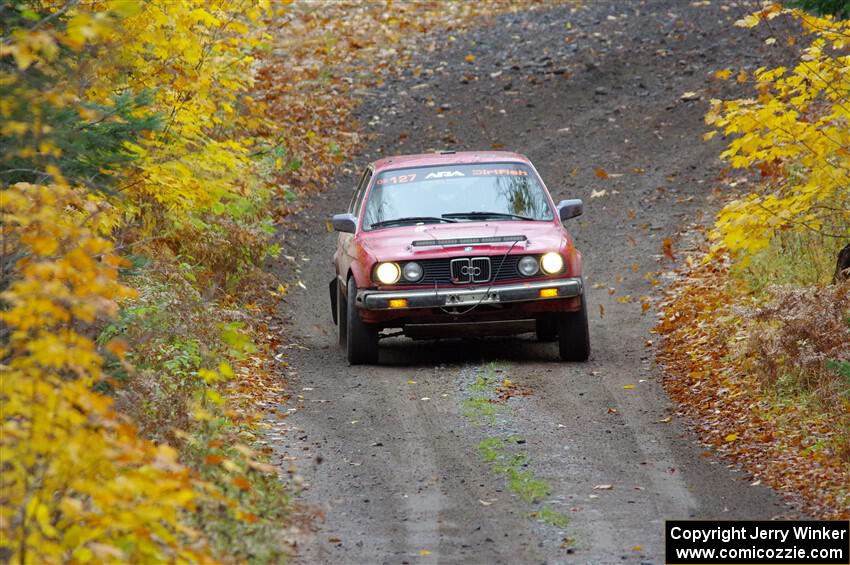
x,y
469,240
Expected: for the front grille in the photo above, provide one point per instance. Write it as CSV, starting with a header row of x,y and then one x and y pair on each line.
x,y
481,268
500,268
466,270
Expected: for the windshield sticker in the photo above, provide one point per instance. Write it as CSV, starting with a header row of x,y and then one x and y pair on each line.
x,y
444,174
499,172
398,179
383,180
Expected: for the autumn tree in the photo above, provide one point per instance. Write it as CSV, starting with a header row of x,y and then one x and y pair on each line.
x,y
116,116
796,134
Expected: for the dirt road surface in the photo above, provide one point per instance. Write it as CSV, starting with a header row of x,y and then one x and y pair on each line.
x,y
392,454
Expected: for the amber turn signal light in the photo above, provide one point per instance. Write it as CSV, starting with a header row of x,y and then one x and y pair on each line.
x,y
548,292
398,303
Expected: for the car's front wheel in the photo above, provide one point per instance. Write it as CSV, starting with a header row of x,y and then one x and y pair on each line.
x,y
361,345
574,335
547,327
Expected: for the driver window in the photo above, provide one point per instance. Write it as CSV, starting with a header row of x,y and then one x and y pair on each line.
x,y
357,199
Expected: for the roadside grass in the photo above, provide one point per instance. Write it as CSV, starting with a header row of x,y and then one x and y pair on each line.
x,y
797,331
798,259
503,454
186,380
552,517
770,343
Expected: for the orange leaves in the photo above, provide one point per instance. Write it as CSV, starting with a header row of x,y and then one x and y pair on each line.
x,y
242,483
709,373
601,173
508,388
667,248
62,268
42,245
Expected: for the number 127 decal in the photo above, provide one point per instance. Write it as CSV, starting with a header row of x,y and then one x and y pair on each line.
x,y
396,179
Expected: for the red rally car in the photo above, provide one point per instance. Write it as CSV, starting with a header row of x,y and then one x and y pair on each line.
x,y
457,244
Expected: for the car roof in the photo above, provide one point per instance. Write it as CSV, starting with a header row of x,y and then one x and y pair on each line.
x,y
447,158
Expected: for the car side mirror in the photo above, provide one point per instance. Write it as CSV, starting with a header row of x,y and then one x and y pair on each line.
x,y
570,208
345,223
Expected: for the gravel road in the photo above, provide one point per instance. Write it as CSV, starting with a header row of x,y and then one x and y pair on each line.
x,y
393,454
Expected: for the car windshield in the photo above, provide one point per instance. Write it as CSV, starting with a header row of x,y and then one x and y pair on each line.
x,y
486,191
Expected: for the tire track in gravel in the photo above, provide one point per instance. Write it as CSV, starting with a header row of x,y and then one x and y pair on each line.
x,y
400,474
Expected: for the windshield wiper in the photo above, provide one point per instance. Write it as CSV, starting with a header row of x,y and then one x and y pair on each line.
x,y
487,215
411,219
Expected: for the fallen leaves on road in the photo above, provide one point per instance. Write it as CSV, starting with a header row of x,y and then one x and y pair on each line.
x,y
603,487
508,389
667,248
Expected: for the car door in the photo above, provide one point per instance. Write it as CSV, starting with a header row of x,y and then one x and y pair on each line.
x,y
346,252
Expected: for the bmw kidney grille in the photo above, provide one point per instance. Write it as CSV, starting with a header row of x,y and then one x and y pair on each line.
x,y
470,270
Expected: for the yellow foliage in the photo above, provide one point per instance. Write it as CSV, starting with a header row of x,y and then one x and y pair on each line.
x,y
796,133
195,60
77,483
187,165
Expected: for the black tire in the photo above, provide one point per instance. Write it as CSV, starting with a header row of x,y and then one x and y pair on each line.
x,y
361,338
547,328
341,315
574,335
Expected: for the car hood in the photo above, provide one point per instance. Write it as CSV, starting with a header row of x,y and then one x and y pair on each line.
x,y
396,243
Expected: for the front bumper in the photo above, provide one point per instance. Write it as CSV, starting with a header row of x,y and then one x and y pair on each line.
x,y
467,296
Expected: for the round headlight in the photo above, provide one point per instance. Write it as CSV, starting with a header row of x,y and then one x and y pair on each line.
x,y
387,273
528,266
412,271
552,263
